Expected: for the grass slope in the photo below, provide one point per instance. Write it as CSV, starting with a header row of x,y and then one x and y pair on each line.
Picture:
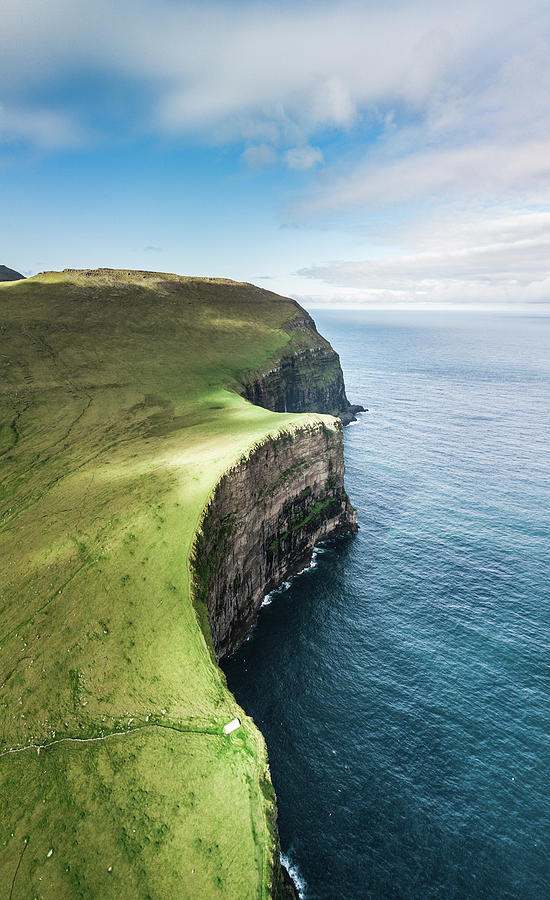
x,y
116,421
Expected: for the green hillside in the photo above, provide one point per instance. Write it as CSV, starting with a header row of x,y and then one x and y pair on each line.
x,y
117,418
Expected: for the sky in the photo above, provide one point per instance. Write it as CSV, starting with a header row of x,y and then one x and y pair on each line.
x,y
375,154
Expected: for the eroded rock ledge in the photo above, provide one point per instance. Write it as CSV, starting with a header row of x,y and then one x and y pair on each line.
x,y
262,522
303,380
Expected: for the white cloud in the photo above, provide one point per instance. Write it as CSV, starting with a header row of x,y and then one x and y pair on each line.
x,y
303,158
482,170
482,261
425,105
259,155
44,128
263,72
484,135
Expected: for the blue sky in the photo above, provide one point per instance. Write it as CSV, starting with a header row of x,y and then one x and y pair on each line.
x,y
379,154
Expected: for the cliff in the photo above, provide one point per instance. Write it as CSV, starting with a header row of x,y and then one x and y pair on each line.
x,y
262,522
306,377
123,428
259,528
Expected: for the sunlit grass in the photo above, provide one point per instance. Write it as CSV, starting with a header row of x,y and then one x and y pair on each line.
x,y
116,422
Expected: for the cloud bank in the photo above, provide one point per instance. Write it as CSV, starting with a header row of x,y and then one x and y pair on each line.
x,y
419,107
488,260
281,72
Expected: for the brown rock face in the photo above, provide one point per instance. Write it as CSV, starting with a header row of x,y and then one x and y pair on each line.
x,y
262,522
303,380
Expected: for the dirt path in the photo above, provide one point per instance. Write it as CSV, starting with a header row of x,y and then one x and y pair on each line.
x,y
112,734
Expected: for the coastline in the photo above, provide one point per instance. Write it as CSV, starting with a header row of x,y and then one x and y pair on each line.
x,y
259,528
128,413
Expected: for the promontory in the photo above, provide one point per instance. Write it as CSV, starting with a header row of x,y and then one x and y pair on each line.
x,y
169,452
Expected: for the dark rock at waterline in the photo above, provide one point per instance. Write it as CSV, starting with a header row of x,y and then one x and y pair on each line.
x,y
350,414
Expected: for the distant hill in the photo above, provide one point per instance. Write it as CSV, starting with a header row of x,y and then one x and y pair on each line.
x,y
9,274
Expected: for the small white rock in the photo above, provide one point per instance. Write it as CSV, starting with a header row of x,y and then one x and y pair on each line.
x,y
49,853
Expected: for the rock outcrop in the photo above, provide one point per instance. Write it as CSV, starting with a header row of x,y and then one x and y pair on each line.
x,y
306,379
265,516
9,274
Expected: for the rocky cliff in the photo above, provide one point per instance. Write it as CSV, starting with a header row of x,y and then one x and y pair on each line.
x,y
130,371
269,510
304,378
265,516
259,528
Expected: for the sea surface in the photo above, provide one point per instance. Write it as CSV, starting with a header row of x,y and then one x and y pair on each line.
x,y
403,682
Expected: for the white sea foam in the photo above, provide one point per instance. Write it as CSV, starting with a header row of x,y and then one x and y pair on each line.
x,y
313,565
275,593
295,874
268,599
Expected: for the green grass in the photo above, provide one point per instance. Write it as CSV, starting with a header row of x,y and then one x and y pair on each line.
x,y
116,420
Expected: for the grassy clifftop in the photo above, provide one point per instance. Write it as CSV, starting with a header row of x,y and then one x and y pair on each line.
x,y
116,421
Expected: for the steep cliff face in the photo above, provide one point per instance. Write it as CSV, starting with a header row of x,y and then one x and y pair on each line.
x,y
307,377
269,510
259,528
131,372
262,522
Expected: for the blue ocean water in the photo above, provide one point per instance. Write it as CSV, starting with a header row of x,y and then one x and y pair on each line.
x,y
403,682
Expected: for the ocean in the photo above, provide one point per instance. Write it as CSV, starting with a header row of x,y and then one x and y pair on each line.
x,y
402,683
